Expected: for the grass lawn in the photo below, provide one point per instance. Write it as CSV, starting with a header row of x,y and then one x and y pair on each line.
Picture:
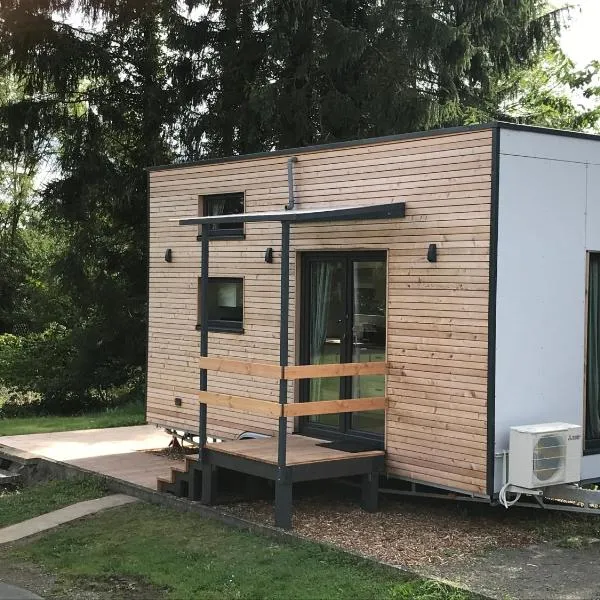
x,y
130,414
161,553
21,504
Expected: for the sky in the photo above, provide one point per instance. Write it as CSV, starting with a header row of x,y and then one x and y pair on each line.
x,y
581,41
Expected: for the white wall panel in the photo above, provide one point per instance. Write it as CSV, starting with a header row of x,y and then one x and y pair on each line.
x,y
540,339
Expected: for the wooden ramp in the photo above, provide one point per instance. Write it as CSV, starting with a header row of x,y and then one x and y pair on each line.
x,y
307,459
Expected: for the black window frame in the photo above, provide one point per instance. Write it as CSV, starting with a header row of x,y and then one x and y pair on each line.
x,y
223,231
222,326
590,445
344,430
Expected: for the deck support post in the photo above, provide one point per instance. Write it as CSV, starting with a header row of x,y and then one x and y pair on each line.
x,y
370,491
209,484
283,499
197,481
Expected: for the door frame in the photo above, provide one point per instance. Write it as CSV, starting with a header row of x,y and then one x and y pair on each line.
x,y
344,430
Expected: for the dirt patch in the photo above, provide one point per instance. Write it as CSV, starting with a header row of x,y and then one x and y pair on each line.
x,y
540,572
26,575
51,587
175,453
105,588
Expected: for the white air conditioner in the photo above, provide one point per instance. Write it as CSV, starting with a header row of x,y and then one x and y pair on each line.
x,y
544,454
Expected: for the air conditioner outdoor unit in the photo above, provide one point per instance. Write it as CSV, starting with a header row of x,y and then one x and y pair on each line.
x,y
544,454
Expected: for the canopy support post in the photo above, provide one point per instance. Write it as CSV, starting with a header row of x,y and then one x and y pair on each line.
x,y
283,484
198,485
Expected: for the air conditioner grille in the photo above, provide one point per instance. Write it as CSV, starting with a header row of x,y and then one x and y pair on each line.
x,y
549,455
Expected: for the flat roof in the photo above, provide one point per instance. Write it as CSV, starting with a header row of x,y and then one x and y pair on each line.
x,y
305,215
381,140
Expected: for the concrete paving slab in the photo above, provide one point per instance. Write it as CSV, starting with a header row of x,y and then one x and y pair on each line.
x,y
67,446
58,517
10,592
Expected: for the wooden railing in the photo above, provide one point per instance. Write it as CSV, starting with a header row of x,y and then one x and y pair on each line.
x,y
300,409
293,372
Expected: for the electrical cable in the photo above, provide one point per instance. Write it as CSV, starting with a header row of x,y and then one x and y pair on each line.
x,y
503,499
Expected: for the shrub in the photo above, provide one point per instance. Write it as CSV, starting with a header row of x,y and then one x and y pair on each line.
x,y
50,373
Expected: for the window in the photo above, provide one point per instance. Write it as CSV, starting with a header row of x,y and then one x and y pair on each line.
x,y
592,413
225,304
223,204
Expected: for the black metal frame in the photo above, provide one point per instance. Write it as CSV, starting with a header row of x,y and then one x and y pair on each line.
x,y
203,482
492,294
222,326
223,234
590,446
355,213
347,467
344,429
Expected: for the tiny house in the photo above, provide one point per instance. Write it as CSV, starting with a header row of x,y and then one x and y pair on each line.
x,y
414,295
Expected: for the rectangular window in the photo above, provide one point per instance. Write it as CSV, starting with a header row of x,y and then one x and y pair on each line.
x,y
223,204
592,413
225,304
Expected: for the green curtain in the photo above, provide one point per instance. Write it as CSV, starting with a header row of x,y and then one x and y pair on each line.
x,y
593,351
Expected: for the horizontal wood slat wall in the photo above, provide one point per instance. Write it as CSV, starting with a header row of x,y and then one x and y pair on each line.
x,y
437,312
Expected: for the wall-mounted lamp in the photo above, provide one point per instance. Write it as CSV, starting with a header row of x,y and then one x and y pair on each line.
x,y
269,255
169,255
178,402
432,253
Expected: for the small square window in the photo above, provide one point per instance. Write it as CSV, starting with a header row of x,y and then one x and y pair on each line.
x,y
223,204
225,304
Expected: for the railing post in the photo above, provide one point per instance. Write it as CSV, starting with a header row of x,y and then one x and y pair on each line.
x,y
283,484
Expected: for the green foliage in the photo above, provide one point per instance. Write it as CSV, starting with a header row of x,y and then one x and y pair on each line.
x,y
25,503
124,415
552,92
193,557
283,74
53,364
427,590
134,84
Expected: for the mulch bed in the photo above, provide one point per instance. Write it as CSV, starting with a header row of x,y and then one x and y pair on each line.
x,y
405,532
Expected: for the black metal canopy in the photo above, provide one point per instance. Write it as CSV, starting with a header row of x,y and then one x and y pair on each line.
x,y
336,213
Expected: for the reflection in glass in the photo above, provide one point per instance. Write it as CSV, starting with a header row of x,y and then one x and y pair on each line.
x,y
326,333
368,338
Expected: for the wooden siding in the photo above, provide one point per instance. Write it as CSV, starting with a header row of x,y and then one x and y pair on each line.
x,y
437,312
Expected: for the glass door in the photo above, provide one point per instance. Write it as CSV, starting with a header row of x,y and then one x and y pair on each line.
x,y
368,287
343,320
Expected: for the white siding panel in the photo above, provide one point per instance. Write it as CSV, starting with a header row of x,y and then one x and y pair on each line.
x,y
540,338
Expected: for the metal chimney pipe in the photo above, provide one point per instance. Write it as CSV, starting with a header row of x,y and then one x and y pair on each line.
x,y
291,200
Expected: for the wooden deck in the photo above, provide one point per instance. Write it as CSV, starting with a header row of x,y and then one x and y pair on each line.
x,y
118,452
301,450
306,460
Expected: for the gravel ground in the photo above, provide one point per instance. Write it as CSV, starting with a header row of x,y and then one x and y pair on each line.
x,y
407,532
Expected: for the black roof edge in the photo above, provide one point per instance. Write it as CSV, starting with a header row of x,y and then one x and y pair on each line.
x,y
549,131
383,139
330,146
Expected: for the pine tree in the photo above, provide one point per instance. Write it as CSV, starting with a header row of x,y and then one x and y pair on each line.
x,y
355,68
101,89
